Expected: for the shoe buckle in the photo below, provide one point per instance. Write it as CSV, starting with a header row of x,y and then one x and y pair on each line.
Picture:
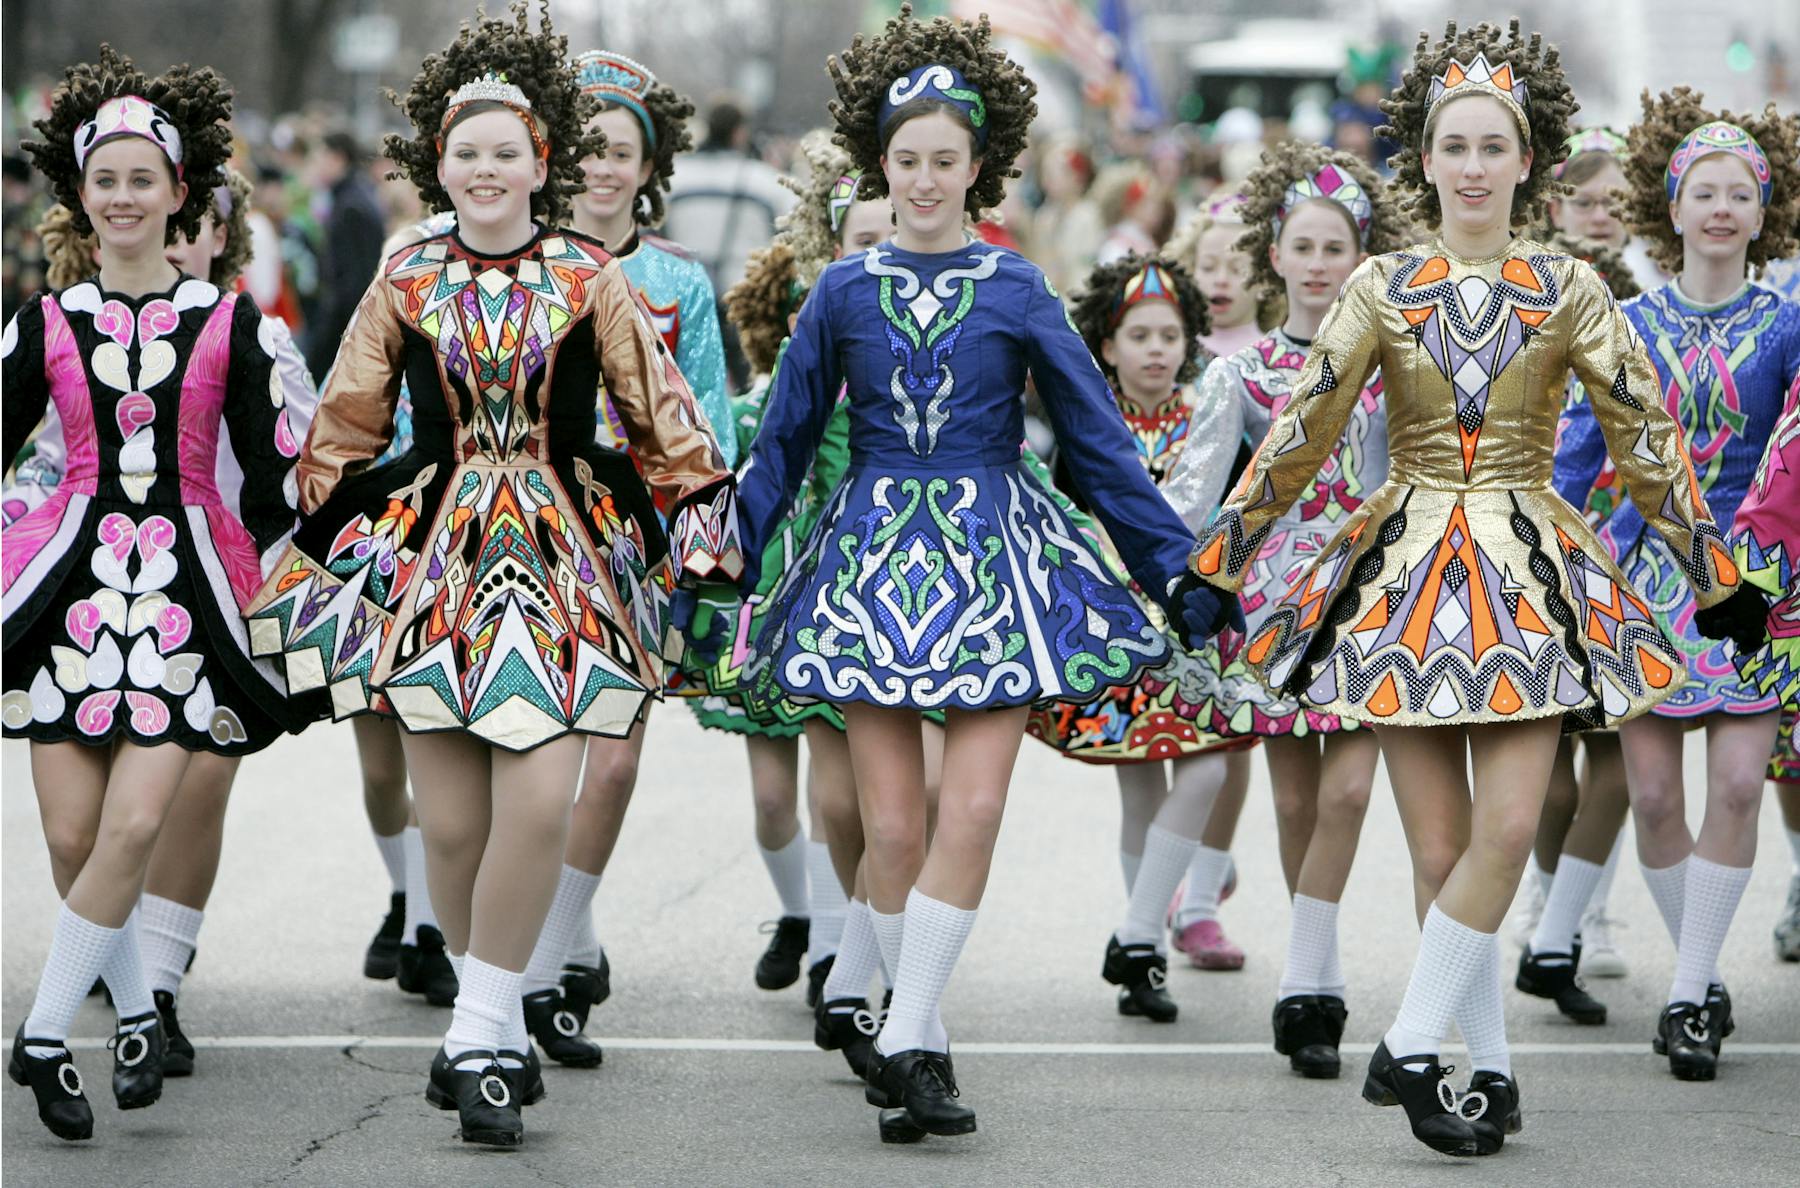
x,y
496,1090
1476,1098
129,1049
1696,1029
866,1022
1445,1091
69,1077
1158,977
566,1024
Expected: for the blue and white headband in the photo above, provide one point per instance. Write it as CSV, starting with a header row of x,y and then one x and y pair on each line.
x,y
943,83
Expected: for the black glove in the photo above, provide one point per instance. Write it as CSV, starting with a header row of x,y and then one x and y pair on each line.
x,y
1198,610
682,605
1743,619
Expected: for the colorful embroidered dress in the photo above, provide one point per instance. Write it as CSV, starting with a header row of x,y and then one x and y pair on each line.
x,y
124,588
940,574
1766,541
495,577
1724,371
1174,710
1464,589
1261,378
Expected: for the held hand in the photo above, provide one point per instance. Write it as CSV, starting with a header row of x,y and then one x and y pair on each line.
x,y
1743,619
1200,611
682,607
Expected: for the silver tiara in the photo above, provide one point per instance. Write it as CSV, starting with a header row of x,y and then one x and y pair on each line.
x,y
490,86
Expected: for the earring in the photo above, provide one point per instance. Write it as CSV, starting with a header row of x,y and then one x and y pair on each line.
x,y
1522,178
1429,180
1756,235
1678,228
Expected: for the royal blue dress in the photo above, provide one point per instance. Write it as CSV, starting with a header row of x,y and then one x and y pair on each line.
x,y
941,574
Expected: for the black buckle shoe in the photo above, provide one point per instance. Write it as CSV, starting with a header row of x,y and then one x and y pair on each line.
x,y
1308,1029
1142,974
847,1025
178,1054
815,979
558,1032
585,987
56,1083
779,966
424,968
1718,1001
1552,976
382,961
922,1084
485,1100
1426,1093
138,1048
526,1073
1687,1034
1491,1108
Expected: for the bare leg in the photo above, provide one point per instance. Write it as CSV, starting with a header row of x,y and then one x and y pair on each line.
x,y
1512,764
931,736
607,782
1788,796
1347,772
833,788
888,758
139,789
452,795
1294,773
1652,750
1428,768
774,788
1604,801
1737,754
531,795
70,782
383,763
1143,787
1221,827
186,858
1559,807
979,751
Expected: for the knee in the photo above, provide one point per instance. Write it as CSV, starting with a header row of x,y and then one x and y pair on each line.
x,y
976,815
774,803
1293,807
1344,803
1738,795
612,776
1658,804
131,832
895,836
1434,860
70,842
1507,839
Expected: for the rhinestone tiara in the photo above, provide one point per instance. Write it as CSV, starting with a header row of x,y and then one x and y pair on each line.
x,y
490,86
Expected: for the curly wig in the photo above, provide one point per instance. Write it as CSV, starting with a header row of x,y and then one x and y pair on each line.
x,y
1092,309
197,102
669,114
759,305
68,254
863,73
806,229
1267,185
1652,140
1605,259
1550,104
538,64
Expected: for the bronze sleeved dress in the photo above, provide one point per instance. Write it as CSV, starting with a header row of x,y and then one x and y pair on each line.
x,y
1465,590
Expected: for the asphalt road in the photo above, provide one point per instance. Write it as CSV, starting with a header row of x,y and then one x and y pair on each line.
x,y
311,1075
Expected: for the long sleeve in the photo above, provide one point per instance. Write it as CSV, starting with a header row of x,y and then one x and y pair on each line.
x,y
1102,460
255,415
700,353
355,418
1608,356
1215,427
27,388
1343,355
1580,448
833,456
802,394
671,438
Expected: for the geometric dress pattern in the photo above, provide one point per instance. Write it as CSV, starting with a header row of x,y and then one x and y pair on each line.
x,y
1465,589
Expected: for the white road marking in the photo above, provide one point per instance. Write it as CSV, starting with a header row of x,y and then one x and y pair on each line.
x,y
693,1044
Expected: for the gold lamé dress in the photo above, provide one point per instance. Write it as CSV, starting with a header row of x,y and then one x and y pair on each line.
x,y
1465,590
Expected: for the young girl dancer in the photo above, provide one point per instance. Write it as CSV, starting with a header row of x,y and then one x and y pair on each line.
x,y
938,576
1712,194
126,653
1142,320
498,600
1312,217
1465,608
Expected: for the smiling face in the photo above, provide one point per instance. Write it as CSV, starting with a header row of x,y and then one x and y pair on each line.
x,y
1223,274
1146,350
490,169
1718,208
1317,252
1590,211
614,177
866,224
129,191
929,169
1476,162
195,256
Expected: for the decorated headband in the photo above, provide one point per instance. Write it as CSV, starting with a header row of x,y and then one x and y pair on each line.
x,y
615,78
944,83
841,198
129,115
1338,186
222,202
1719,137
493,88
1227,208
1482,76
1149,283
1591,140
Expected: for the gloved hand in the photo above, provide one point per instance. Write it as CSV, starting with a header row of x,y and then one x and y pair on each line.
x,y
1743,619
705,614
683,605
1199,610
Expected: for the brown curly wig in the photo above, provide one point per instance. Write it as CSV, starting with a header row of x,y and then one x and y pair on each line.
x,y
538,64
197,102
1092,309
68,254
1267,184
1537,65
863,73
760,304
806,229
230,263
669,114
1606,260
1652,140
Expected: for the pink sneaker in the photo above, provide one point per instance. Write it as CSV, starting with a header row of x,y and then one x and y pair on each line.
x,y
1208,947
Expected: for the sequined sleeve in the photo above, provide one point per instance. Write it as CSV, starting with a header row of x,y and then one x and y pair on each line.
x,y
700,353
670,436
1215,427
1645,442
1343,355
355,418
